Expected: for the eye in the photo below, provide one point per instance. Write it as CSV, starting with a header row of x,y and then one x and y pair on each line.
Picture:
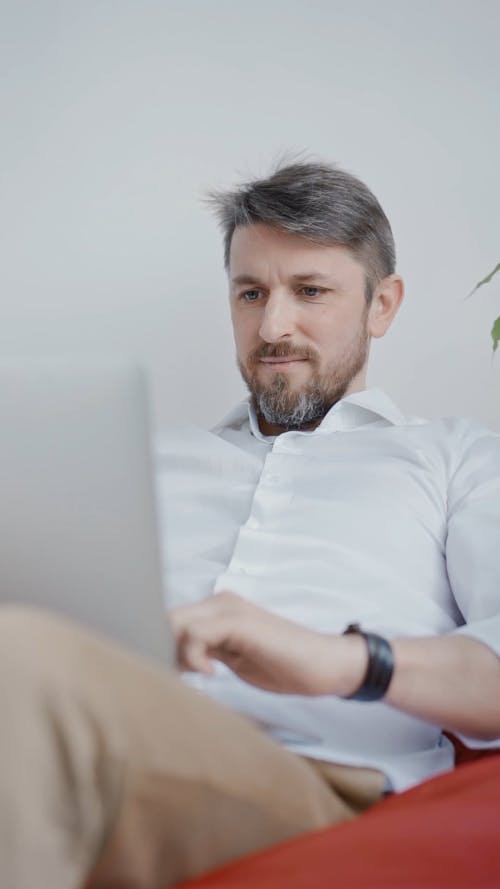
x,y
250,296
312,291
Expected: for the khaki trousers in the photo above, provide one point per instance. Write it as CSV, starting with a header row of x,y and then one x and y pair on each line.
x,y
115,775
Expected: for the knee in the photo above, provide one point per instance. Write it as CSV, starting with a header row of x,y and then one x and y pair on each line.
x,y
33,646
18,622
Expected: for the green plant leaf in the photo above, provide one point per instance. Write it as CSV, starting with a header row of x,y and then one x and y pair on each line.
x,y
485,280
495,334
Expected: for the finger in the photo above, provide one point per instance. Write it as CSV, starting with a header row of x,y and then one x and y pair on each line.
x,y
192,655
216,605
184,617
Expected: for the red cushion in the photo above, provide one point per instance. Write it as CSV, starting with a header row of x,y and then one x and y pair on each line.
x,y
444,834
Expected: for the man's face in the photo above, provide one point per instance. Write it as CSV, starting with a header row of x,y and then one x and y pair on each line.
x,y
300,324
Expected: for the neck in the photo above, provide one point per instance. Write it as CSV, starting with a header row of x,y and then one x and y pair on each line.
x,y
275,429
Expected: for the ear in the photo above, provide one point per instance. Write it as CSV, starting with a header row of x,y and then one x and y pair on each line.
x,y
387,298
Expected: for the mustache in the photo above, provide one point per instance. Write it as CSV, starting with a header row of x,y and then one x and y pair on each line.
x,y
281,350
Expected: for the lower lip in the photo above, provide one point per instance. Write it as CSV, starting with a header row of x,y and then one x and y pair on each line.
x,y
282,365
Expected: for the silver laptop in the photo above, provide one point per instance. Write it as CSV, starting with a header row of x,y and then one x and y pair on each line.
x,y
78,530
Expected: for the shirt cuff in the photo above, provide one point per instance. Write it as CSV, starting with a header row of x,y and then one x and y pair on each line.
x,y
488,632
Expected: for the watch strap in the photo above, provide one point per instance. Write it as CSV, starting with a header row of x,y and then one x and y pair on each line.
x,y
379,669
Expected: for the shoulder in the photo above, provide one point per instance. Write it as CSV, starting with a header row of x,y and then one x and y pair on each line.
x,y
454,436
459,451
473,454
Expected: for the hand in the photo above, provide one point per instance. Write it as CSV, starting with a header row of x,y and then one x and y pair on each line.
x,y
264,649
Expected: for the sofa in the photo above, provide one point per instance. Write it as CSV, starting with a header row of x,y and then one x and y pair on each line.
x,y
441,834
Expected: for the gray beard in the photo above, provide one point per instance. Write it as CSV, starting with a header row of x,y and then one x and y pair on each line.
x,y
276,406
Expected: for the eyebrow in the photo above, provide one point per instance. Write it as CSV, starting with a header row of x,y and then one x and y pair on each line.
x,y
305,276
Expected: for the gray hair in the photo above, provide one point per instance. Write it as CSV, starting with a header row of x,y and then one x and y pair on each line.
x,y
320,202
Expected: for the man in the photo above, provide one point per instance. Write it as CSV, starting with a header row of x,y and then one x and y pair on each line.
x,y
315,505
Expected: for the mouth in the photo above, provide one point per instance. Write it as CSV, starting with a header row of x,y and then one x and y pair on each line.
x,y
281,363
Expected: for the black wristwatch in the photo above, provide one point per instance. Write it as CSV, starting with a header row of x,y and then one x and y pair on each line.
x,y
380,666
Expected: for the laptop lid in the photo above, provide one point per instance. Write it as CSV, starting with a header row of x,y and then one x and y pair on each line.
x,y
78,531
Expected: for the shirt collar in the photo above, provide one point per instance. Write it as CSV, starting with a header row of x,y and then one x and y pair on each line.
x,y
361,408
353,411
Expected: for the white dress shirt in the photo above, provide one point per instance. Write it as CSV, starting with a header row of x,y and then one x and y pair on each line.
x,y
373,517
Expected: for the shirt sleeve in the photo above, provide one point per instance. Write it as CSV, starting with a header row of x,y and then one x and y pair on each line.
x,y
473,542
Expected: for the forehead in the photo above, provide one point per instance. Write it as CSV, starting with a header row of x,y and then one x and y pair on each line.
x,y
259,251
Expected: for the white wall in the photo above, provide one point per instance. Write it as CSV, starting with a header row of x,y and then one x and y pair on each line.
x,y
117,116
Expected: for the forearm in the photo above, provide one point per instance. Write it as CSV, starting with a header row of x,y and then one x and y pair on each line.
x,y
451,681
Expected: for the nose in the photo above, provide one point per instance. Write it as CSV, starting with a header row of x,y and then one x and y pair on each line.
x,y
278,319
